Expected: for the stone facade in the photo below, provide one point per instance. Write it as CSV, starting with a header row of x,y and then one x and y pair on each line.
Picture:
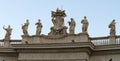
x,y
59,45
78,51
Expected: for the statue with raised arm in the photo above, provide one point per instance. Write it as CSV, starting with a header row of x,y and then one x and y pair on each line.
x,y
112,28
8,32
85,24
25,28
72,26
39,27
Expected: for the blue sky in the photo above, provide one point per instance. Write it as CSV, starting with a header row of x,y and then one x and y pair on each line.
x,y
99,13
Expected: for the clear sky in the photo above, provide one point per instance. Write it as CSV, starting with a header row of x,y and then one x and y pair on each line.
x,y
99,13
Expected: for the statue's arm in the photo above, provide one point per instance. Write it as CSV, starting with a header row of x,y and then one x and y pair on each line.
x,y
4,28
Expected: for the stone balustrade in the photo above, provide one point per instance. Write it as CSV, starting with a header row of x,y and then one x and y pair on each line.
x,y
1,43
118,40
100,40
12,42
104,40
95,40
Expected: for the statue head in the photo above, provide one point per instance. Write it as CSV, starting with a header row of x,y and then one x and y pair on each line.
x,y
27,20
9,26
85,17
39,20
71,19
113,20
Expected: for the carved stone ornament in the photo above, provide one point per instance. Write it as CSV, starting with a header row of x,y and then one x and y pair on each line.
x,y
58,23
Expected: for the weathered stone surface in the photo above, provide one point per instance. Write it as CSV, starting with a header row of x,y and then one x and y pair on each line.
x,y
52,56
39,27
58,45
112,28
85,24
25,28
58,23
72,25
82,37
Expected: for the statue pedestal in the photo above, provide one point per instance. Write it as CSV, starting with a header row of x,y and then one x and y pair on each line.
x,y
31,39
6,43
59,31
112,40
82,37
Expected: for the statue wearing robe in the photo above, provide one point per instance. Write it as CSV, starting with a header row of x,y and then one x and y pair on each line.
x,y
8,32
112,28
85,24
39,27
25,28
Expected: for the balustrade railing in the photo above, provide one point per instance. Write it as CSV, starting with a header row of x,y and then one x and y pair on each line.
x,y
100,41
11,42
104,40
15,42
1,43
95,41
118,40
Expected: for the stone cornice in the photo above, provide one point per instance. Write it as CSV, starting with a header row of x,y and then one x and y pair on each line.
x,y
62,47
55,47
106,49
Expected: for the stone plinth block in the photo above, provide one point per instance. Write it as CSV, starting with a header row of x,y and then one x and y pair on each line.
x,y
112,40
6,43
70,38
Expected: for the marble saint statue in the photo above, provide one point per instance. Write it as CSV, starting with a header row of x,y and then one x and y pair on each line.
x,y
72,26
84,24
39,27
112,28
8,32
25,28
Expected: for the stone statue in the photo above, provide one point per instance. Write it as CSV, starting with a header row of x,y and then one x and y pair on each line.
x,y
58,18
85,24
39,27
25,28
8,32
112,28
58,23
72,26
